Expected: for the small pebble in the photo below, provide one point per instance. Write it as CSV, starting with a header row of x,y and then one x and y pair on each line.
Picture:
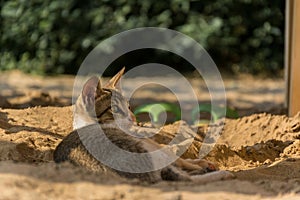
x,y
267,162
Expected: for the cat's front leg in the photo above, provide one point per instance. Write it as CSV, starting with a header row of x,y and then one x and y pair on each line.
x,y
195,166
213,176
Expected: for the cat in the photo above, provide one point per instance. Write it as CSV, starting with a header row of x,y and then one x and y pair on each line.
x,y
105,108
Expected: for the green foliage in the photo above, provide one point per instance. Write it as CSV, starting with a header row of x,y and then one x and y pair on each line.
x,y
53,36
249,36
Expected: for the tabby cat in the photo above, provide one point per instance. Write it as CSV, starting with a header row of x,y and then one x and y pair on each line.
x,y
105,108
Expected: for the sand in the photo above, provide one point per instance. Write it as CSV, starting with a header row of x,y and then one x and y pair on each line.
x,y
261,149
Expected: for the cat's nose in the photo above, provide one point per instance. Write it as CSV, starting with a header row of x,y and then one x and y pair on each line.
x,y
132,117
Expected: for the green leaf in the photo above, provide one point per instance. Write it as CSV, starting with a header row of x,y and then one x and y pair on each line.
x,y
156,109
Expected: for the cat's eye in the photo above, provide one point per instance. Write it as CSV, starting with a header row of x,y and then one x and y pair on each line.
x,y
115,109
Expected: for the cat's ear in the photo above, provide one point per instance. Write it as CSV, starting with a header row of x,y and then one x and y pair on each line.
x,y
90,90
114,82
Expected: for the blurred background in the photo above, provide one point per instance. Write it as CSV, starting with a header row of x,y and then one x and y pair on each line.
x,y
51,37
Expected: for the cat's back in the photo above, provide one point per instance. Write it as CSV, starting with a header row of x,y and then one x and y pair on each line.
x,y
90,138
88,145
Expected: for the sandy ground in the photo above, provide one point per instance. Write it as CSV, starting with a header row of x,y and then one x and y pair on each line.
x,y
262,150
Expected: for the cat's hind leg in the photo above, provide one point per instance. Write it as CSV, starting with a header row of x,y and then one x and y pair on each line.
x,y
172,173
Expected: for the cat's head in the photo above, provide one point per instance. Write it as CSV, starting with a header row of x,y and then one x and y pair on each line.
x,y
102,104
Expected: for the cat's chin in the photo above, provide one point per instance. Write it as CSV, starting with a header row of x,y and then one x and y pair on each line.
x,y
79,122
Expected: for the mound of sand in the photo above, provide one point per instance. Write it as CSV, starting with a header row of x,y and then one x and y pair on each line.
x,y
261,149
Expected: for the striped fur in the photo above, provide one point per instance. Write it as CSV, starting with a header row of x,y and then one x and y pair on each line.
x,y
107,107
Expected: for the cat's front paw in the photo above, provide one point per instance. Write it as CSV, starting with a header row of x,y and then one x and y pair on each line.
x,y
204,164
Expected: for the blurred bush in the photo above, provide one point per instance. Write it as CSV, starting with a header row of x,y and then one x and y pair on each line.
x,y
53,36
